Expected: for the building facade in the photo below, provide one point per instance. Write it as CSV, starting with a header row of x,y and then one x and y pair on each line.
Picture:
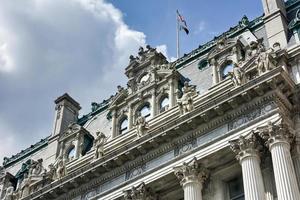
x,y
219,123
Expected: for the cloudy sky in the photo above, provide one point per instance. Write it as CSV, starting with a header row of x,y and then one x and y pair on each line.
x,y
49,47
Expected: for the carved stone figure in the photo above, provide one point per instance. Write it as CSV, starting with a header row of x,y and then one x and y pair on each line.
x,y
36,168
99,145
185,103
9,194
51,174
60,169
237,75
25,186
141,125
263,61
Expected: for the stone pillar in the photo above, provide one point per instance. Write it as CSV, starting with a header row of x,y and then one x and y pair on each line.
x,y
296,158
191,176
216,79
246,149
130,117
171,93
114,124
275,22
153,104
77,147
278,139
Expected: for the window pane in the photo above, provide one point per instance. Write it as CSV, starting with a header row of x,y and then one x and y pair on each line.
x,y
228,68
164,104
145,112
71,153
236,190
124,126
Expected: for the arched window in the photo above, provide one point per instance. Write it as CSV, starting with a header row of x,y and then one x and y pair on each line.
x,y
123,126
164,104
71,153
228,67
145,112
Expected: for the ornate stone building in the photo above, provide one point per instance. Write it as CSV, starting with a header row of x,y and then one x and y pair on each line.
x,y
220,123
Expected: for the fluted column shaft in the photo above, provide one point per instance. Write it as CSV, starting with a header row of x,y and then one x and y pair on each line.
x,y
248,155
252,177
192,189
278,139
284,172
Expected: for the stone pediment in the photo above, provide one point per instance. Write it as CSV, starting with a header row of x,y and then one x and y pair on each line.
x,y
223,45
121,95
145,59
73,129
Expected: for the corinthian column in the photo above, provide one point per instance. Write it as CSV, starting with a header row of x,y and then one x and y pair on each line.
x,y
246,149
191,176
278,139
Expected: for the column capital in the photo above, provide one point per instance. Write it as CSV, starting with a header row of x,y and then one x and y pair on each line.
x,y
245,146
140,192
191,172
276,133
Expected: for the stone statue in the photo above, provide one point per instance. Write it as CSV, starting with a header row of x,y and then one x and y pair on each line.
x,y
263,61
99,145
25,186
36,168
141,125
237,75
9,194
60,168
185,103
51,174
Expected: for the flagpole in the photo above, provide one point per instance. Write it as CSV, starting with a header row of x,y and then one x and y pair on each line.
x,y
177,38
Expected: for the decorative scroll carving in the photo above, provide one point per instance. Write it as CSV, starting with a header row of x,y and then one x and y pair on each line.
x,y
245,146
141,192
141,125
185,148
250,116
99,145
191,171
186,103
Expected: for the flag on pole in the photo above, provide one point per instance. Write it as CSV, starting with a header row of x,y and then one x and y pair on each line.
x,y
182,23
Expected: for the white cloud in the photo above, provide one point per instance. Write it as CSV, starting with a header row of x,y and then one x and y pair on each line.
x,y
164,50
200,27
48,47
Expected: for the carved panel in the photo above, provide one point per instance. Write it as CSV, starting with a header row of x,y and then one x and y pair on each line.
x,y
185,148
135,172
250,116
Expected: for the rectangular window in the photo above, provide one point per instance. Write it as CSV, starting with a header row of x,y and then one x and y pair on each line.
x,y
236,189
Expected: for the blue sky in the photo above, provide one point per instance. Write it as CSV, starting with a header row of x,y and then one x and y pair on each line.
x,y
205,19
49,47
